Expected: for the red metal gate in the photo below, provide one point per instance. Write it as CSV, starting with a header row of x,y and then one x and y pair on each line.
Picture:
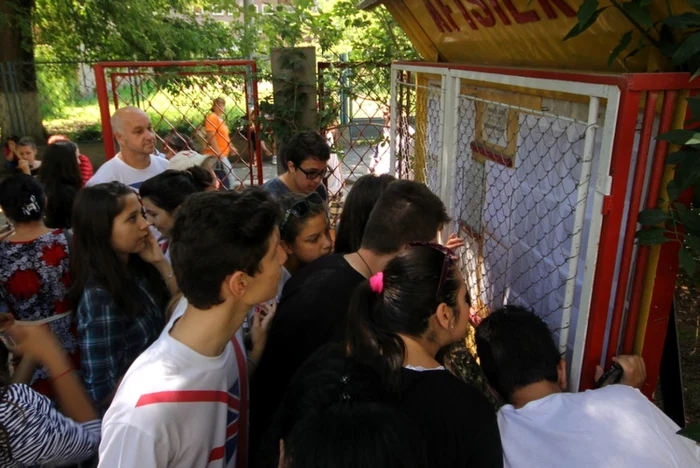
x,y
178,96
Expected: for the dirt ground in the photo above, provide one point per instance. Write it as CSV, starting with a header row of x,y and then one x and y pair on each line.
x,y
688,320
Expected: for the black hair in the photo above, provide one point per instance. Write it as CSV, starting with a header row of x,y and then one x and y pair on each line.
x,y
94,261
407,211
27,141
60,175
356,210
305,145
169,189
14,138
333,399
408,300
216,234
382,437
178,142
290,229
22,198
516,349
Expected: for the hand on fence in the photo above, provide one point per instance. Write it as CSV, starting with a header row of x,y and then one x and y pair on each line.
x,y
454,242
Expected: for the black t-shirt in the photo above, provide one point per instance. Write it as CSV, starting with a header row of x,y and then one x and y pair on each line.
x,y
312,312
457,422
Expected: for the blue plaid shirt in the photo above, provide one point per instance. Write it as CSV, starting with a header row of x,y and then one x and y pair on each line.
x,y
110,341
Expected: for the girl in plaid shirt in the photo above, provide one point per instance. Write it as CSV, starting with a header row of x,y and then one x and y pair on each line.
x,y
122,282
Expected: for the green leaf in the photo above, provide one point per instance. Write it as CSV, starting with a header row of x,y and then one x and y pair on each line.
x,y
685,20
681,156
586,11
623,44
688,172
689,47
694,105
690,219
667,47
673,191
696,73
693,242
581,27
652,236
681,137
653,217
695,4
639,14
686,261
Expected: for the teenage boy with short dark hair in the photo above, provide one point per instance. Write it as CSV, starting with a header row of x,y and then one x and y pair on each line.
x,y
314,303
182,402
541,425
306,157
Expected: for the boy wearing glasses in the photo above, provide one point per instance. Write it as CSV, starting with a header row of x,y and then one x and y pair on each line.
x,y
306,156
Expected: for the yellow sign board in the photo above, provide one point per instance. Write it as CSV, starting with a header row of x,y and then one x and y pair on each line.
x,y
524,33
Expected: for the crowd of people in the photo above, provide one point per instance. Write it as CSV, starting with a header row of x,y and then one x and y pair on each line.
x,y
153,318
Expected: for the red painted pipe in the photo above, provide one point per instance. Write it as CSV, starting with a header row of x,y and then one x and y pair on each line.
x,y
657,172
610,236
628,243
101,88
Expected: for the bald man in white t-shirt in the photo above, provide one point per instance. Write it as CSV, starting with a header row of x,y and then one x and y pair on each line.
x,y
135,162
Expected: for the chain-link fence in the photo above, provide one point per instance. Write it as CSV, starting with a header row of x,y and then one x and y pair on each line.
x,y
210,105
514,169
354,116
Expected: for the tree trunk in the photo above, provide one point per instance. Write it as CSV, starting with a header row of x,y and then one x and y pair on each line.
x,y
20,112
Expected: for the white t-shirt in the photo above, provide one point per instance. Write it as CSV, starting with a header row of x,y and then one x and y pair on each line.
x,y
117,170
615,426
178,408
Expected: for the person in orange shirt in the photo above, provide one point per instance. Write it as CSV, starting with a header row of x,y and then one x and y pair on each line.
x,y
218,140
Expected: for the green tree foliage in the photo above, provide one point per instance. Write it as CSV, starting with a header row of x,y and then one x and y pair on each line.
x,y
127,30
677,36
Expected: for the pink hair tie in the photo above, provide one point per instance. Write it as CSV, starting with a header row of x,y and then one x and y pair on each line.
x,y
376,282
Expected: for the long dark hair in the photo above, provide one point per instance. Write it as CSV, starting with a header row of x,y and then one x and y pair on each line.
x,y
168,190
340,401
408,300
94,261
361,199
60,175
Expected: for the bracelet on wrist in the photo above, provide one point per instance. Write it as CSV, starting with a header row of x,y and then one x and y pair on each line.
x,y
67,371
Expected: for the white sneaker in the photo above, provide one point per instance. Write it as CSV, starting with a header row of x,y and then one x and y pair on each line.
x,y
274,159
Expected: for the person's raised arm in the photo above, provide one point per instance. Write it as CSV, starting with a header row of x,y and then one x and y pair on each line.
x,y
153,254
37,343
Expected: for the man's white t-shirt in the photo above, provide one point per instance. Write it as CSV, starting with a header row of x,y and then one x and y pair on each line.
x,y
177,408
117,170
615,426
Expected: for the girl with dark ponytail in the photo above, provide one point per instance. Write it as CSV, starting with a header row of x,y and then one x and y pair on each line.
x,y
398,321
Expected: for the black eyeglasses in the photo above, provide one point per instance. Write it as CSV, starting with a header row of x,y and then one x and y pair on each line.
x,y
301,208
450,258
313,175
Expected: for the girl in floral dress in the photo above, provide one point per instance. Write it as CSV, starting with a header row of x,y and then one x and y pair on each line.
x,y
34,270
